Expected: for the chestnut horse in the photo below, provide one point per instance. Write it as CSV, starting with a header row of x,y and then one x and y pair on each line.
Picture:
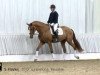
x,y
45,36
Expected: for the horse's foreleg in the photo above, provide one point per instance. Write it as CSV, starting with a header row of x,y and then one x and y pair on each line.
x,y
51,48
37,50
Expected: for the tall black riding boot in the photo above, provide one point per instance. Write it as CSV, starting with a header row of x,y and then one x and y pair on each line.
x,y
56,35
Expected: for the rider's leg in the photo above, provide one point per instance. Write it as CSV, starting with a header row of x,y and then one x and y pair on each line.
x,y
55,27
52,27
55,30
52,30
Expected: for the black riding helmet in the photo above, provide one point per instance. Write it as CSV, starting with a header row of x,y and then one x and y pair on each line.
x,y
53,6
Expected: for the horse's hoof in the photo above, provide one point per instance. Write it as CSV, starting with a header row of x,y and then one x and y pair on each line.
x,y
53,59
64,59
35,59
77,57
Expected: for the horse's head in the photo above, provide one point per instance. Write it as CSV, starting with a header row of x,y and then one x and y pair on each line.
x,y
31,29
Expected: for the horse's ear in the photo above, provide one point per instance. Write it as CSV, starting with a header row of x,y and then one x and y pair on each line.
x,y
27,24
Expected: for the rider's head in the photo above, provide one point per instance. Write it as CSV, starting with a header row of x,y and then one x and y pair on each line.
x,y
52,7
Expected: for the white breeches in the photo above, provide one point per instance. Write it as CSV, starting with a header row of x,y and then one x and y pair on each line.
x,y
55,26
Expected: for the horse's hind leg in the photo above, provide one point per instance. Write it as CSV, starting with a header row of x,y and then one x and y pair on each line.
x,y
73,45
64,49
37,50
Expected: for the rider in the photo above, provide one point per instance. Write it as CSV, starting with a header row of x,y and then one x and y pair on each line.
x,y
53,20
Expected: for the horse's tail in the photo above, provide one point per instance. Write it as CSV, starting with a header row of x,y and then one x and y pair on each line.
x,y
77,44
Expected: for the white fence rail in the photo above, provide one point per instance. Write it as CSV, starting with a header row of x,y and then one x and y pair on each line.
x,y
22,44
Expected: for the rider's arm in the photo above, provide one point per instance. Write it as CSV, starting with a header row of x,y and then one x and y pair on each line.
x,y
49,19
56,17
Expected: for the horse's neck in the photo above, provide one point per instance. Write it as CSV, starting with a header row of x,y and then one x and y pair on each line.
x,y
42,28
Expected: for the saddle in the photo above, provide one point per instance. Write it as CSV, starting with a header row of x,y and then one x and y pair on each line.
x,y
55,34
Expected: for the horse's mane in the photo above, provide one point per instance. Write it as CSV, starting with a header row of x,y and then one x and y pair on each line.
x,y
41,23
